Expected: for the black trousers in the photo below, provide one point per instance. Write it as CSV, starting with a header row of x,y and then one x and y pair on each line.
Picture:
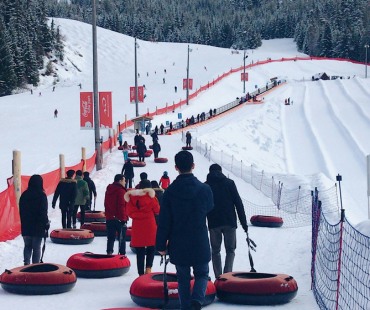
x,y
140,258
116,228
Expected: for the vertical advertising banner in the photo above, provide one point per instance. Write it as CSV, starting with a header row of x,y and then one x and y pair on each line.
x,y
185,84
86,110
105,109
244,76
140,94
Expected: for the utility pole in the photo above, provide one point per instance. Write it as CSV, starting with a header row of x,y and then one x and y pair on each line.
x,y
187,79
244,58
136,88
99,159
366,47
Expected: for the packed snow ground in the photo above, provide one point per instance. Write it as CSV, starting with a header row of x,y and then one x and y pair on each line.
x,y
321,134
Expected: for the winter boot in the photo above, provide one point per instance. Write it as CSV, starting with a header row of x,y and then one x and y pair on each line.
x,y
195,305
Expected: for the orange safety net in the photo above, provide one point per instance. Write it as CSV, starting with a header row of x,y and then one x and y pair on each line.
x,y
10,223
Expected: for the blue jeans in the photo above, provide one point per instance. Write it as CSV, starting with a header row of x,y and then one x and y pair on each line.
x,y
200,284
32,247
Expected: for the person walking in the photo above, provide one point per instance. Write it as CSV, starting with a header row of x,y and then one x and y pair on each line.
x,y
92,190
158,191
154,136
165,180
116,214
162,129
188,139
120,138
182,230
66,190
125,150
143,176
33,210
141,149
55,113
128,173
82,197
156,149
143,207
222,221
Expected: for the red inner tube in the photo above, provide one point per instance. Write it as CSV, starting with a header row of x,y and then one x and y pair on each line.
x,y
132,154
69,233
92,215
137,163
95,262
266,221
95,226
187,148
161,160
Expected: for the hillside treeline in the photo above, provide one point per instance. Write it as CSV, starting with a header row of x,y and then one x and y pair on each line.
x,y
332,28
25,38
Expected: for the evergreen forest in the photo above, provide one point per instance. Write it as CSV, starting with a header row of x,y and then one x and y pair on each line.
x,y
327,28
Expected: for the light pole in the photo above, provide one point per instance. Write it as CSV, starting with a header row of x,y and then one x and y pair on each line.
x,y
187,79
244,58
366,47
99,164
136,89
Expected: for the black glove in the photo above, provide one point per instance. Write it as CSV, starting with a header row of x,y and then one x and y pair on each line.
x,y
245,227
47,225
53,206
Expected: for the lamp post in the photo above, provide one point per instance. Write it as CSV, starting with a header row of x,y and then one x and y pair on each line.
x,y
99,164
366,47
136,88
244,58
187,79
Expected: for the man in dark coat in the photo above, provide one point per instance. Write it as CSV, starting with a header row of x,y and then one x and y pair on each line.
x,y
156,149
222,219
92,189
128,173
182,230
116,214
67,191
154,136
141,149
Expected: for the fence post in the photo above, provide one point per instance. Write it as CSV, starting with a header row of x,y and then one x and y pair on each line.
x,y
232,163
125,121
299,192
241,169
272,188
110,140
342,216
261,179
17,182
83,156
62,166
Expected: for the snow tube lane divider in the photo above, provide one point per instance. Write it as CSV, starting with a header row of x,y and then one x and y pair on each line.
x,y
253,288
92,216
147,291
72,236
38,279
90,265
266,221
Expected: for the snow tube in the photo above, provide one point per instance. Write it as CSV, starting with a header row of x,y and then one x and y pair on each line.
x,y
134,147
38,279
72,236
132,154
98,228
137,163
92,216
128,233
148,154
149,151
120,148
160,160
187,148
253,288
266,221
90,265
147,291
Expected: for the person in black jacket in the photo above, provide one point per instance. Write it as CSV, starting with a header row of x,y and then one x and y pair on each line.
x,y
92,189
141,149
128,173
33,208
182,229
222,219
156,149
67,191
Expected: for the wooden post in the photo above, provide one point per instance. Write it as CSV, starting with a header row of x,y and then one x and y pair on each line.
x,y
125,121
62,166
110,140
83,157
17,175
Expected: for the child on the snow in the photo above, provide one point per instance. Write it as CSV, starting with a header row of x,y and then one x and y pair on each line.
x,y
165,180
125,149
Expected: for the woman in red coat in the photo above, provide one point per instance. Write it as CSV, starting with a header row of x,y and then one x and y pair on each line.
x,y
143,207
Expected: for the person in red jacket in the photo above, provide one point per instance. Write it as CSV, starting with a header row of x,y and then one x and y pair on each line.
x,y
143,207
165,180
116,214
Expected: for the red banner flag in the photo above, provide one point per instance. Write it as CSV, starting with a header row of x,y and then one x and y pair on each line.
x,y
244,76
140,94
86,110
185,84
105,109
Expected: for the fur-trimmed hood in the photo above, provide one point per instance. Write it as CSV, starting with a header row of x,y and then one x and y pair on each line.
x,y
139,192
